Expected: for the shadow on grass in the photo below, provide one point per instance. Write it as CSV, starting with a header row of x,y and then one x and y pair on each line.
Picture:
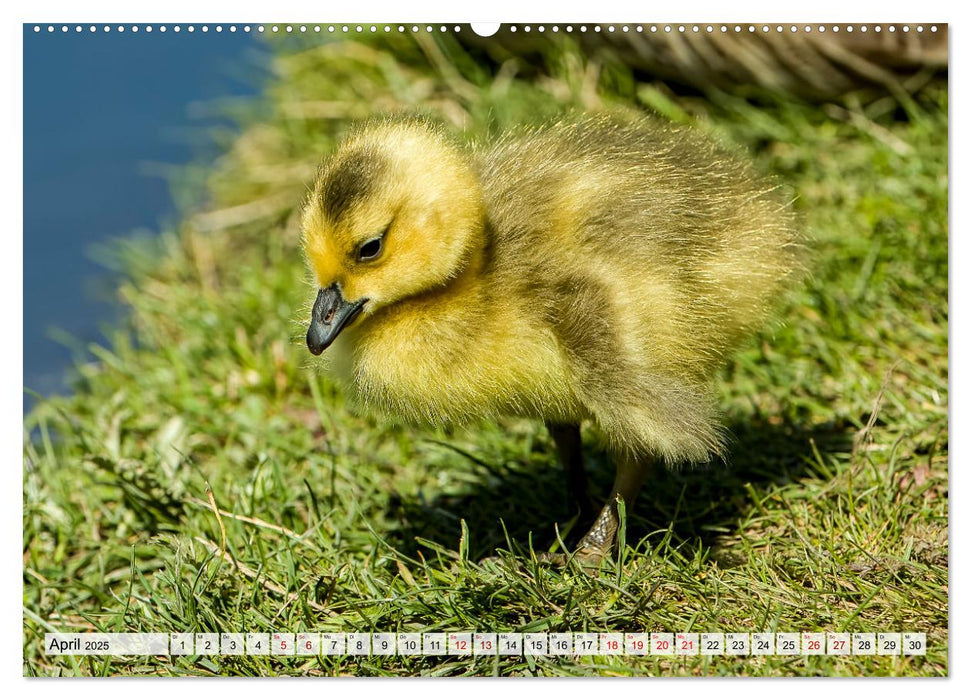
x,y
701,503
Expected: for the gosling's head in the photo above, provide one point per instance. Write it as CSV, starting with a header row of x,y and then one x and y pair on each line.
x,y
395,212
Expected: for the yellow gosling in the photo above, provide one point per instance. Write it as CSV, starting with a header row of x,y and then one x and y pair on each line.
x,y
600,269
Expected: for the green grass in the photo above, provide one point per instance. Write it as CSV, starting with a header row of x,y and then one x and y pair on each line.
x,y
832,515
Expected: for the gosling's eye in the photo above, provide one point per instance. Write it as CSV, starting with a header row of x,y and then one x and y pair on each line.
x,y
369,250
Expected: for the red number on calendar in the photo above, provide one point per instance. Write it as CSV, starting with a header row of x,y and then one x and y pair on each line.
x,y
662,645
814,645
612,645
636,644
687,644
839,644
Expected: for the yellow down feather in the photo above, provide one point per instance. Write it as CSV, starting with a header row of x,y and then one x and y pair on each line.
x,y
597,269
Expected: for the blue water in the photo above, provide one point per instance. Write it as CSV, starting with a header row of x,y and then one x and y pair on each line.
x,y
102,112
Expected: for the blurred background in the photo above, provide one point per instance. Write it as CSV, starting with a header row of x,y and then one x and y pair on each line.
x,y
109,118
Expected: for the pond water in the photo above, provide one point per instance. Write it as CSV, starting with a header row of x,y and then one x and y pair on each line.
x,y
106,115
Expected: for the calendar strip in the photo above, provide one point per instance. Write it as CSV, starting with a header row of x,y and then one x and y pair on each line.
x,y
573,644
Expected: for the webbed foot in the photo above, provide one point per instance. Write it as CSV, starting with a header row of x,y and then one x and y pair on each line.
x,y
594,546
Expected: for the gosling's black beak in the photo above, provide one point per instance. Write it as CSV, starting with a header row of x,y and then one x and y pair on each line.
x,y
331,313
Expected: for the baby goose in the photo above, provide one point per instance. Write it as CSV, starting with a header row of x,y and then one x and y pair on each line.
x,y
596,270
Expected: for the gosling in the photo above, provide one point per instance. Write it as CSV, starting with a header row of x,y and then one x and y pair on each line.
x,y
600,269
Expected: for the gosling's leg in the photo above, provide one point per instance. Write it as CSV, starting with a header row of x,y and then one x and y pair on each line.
x,y
602,536
569,446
